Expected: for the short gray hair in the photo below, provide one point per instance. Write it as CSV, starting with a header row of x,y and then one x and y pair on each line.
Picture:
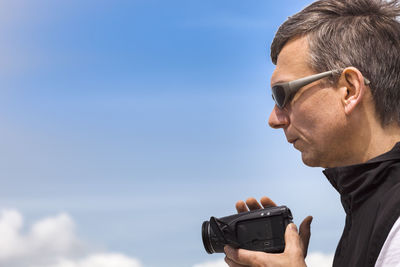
x,y
361,33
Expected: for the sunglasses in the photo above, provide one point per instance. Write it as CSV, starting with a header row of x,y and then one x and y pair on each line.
x,y
282,93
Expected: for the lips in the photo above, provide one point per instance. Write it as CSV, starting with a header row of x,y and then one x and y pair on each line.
x,y
293,142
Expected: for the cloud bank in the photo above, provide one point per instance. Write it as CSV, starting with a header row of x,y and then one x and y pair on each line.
x,y
318,259
217,263
100,260
314,259
50,242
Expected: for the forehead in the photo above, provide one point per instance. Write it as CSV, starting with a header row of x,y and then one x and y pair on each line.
x,y
293,61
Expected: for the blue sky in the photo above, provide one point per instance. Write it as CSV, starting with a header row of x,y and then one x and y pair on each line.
x,y
141,119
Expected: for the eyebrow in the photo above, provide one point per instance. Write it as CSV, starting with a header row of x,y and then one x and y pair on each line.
x,y
279,81
285,79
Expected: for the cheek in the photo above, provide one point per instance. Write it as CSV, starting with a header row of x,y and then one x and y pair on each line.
x,y
319,122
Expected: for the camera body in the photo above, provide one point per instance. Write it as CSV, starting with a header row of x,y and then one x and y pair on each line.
x,y
258,230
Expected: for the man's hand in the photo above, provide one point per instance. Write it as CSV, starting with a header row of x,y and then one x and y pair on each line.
x,y
295,248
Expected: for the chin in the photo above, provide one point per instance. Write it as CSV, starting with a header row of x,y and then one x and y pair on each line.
x,y
315,161
311,160
311,164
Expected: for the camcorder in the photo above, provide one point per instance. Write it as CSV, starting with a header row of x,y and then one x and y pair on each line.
x,y
258,230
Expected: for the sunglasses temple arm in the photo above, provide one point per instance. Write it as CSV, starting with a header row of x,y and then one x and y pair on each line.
x,y
294,85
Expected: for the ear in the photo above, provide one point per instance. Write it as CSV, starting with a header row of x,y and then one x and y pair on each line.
x,y
352,88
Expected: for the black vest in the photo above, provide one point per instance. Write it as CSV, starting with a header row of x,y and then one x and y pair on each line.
x,y
370,195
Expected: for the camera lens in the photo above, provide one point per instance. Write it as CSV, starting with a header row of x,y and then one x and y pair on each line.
x,y
210,240
205,233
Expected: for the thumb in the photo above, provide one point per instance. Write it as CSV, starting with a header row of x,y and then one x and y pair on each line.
x,y
292,239
305,233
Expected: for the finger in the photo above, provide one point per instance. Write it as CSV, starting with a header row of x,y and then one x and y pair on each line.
x,y
231,263
243,257
305,233
253,204
267,202
241,206
292,240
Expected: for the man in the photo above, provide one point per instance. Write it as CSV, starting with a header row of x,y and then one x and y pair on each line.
x,y
341,110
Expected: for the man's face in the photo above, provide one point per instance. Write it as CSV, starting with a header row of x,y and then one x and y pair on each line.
x,y
314,120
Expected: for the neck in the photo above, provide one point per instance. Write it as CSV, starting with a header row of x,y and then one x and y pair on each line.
x,y
381,141
367,137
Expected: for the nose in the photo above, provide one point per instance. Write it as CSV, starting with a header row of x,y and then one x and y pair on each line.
x,y
278,118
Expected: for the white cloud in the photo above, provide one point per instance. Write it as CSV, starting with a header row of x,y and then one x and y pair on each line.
x,y
101,260
318,259
46,241
50,242
217,263
314,259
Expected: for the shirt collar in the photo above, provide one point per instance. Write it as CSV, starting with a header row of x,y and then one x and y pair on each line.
x,y
356,182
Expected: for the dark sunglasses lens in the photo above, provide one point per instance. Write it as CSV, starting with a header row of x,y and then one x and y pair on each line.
x,y
278,93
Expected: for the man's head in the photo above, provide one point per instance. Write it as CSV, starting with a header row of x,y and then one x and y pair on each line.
x,y
361,37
